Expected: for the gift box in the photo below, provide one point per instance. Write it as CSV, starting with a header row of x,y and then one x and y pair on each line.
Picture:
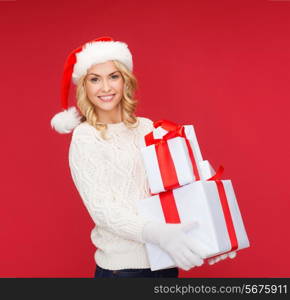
x,y
172,157
212,204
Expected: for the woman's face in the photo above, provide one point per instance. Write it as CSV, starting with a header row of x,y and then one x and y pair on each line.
x,y
102,80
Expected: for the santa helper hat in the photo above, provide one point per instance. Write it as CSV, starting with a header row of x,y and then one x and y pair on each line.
x,y
78,62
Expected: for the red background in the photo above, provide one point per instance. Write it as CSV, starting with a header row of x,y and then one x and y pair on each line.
x,y
220,65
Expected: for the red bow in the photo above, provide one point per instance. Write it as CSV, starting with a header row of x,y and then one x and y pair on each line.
x,y
166,165
173,129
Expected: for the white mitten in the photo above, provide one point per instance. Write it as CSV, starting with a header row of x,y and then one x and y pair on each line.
x,y
212,261
183,249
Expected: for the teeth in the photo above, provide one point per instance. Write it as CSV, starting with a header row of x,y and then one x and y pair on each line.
x,y
106,97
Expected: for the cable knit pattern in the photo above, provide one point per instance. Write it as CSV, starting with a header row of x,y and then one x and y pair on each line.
x,y
110,177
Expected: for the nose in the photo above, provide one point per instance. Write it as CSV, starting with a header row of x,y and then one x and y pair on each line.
x,y
106,86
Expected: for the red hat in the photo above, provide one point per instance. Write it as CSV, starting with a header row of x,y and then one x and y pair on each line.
x,y
78,62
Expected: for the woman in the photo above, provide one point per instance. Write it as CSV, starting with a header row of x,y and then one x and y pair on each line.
x,y
106,164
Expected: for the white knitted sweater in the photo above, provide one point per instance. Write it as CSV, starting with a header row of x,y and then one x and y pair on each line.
x,y
110,177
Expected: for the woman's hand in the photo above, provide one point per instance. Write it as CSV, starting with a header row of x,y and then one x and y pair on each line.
x,y
184,250
214,260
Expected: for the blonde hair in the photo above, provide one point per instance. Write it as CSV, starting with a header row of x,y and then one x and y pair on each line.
x,y
128,102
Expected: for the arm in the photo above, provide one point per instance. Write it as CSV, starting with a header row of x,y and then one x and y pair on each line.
x,y
90,173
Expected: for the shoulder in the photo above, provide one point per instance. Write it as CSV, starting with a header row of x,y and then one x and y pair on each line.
x,y
82,130
146,123
84,145
86,132
85,138
145,120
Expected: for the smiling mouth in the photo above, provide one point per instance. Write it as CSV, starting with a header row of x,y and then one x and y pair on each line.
x,y
107,98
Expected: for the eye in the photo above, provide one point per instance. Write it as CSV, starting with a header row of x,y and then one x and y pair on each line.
x,y
115,76
94,79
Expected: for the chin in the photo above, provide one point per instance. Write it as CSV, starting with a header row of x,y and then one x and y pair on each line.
x,y
107,106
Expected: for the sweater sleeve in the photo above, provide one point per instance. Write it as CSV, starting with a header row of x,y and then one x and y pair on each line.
x,y
89,173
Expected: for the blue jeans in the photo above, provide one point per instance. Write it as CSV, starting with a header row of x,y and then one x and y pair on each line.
x,y
141,273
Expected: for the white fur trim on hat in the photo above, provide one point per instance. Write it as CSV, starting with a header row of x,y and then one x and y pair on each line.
x,y
100,52
66,121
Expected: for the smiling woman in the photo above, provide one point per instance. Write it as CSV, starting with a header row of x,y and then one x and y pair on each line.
x,y
105,95
105,91
99,59
106,164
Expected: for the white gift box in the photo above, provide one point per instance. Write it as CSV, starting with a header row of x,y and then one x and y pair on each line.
x,y
198,201
180,157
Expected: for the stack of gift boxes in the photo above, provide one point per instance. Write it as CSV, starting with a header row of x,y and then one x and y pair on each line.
x,y
185,188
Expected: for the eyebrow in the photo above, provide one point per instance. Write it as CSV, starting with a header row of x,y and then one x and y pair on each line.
x,y
100,75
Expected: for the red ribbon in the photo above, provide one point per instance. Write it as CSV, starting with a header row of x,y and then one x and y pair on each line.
x,y
225,207
165,162
169,207
171,214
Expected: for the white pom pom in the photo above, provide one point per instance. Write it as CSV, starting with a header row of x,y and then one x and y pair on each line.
x,y
66,121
